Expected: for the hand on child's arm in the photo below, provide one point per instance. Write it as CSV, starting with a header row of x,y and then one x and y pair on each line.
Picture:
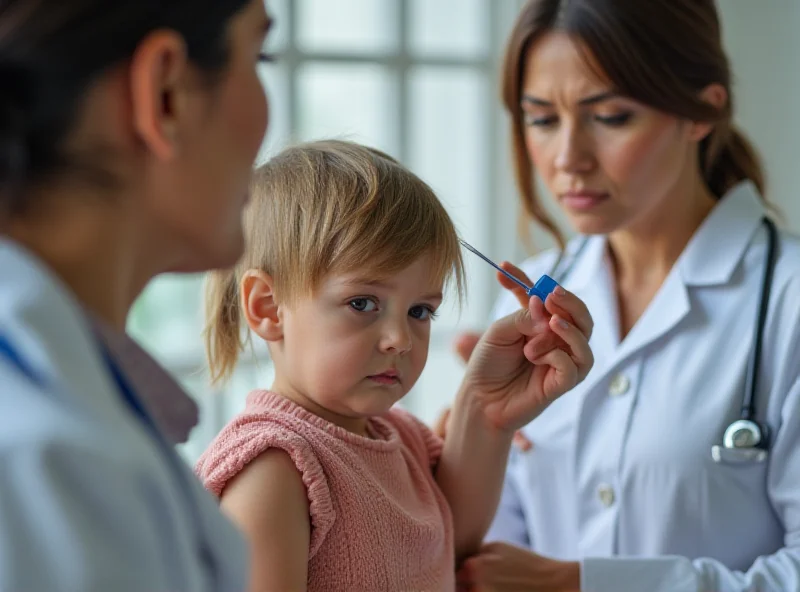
x,y
268,502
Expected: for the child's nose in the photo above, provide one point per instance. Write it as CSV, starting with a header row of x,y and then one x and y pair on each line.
x,y
396,337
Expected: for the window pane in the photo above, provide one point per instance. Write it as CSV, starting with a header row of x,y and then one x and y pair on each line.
x,y
448,139
278,36
347,25
275,79
353,102
167,318
449,27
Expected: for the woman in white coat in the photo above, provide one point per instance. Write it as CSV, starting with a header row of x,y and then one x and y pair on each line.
x,y
624,109
128,130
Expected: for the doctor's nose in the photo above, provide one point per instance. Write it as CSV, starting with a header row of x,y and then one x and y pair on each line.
x,y
574,153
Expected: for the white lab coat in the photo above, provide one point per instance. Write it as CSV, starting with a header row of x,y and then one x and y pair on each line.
x,y
621,476
89,500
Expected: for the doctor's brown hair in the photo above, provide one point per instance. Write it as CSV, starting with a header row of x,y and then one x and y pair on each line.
x,y
662,53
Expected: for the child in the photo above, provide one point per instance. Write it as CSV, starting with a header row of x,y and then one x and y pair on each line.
x,y
348,255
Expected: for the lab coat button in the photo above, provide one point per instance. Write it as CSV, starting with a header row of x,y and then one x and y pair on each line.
x,y
619,385
606,495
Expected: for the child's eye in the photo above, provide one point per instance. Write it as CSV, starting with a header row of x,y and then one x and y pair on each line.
x,y
363,304
422,313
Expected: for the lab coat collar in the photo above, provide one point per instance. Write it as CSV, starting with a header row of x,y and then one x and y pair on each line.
x,y
38,308
585,262
719,244
170,407
710,258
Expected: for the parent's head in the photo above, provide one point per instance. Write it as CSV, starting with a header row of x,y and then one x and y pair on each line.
x,y
620,105
150,110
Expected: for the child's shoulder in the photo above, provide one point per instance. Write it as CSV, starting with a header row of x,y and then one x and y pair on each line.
x,y
268,421
416,435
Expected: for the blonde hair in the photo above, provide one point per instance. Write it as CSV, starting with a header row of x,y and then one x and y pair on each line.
x,y
328,207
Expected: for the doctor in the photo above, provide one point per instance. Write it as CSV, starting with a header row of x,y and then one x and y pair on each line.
x,y
634,480
128,130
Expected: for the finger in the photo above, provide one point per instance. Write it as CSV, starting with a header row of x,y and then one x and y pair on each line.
x,y
552,307
560,373
543,342
522,442
513,287
465,343
466,575
517,290
529,321
579,349
516,272
538,312
440,427
575,308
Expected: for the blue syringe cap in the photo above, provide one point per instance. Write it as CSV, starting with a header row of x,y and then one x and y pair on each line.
x,y
543,286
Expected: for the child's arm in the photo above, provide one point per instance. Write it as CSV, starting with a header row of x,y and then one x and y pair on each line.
x,y
268,502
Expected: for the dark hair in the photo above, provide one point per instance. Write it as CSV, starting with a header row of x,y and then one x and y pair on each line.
x,y
51,51
661,53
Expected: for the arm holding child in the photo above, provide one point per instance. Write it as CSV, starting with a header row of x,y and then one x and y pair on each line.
x,y
521,364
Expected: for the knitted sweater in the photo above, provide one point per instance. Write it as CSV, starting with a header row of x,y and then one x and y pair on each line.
x,y
379,522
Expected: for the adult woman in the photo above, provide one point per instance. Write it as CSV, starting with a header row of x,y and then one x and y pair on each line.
x,y
624,109
128,131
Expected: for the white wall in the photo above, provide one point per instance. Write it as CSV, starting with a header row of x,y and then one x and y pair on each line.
x,y
763,42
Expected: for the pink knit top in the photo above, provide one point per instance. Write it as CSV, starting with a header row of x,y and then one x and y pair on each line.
x,y
379,522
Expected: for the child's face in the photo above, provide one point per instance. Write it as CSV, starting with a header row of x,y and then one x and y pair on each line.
x,y
358,346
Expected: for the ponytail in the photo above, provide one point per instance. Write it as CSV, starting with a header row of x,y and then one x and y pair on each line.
x,y
223,324
727,158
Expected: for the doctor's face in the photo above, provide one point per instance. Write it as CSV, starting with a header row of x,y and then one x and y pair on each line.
x,y
608,160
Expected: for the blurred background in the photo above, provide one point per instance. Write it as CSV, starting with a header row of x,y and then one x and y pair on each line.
x,y
419,79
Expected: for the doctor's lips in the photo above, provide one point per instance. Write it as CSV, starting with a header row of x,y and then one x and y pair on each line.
x,y
388,377
582,199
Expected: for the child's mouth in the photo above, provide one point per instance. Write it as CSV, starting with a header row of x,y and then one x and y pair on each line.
x,y
387,378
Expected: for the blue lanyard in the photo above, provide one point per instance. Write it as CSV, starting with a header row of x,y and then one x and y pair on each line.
x,y
8,352
127,394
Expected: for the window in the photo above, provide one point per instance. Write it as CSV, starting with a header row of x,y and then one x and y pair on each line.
x,y
416,78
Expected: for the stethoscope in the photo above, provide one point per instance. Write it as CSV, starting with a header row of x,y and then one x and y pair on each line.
x,y
746,439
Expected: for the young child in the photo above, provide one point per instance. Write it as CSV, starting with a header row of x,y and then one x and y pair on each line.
x,y
348,255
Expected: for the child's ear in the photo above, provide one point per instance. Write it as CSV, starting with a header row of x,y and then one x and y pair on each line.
x,y
260,308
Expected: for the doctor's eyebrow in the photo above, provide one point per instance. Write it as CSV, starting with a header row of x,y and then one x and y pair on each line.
x,y
590,100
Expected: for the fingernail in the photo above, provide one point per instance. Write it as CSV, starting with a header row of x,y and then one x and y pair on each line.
x,y
562,323
560,291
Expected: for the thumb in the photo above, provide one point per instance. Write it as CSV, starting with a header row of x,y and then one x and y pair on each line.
x,y
524,322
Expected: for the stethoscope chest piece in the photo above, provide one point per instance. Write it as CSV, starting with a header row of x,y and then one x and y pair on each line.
x,y
744,441
743,433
